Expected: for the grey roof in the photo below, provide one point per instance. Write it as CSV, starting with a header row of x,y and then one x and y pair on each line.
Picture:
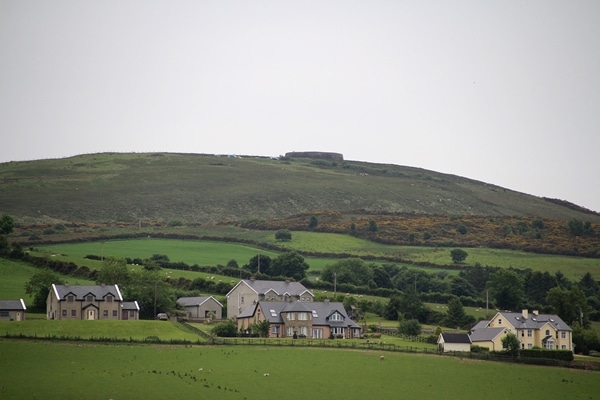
x,y
130,306
279,287
534,321
486,335
480,325
195,301
450,337
12,305
80,291
322,310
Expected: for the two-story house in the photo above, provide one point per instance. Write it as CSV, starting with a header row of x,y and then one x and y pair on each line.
x,y
88,302
317,320
249,292
547,331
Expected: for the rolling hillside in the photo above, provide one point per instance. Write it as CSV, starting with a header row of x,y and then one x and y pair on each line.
x,y
194,188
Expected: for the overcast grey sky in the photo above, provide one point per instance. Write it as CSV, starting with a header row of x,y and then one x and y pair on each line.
x,y
506,92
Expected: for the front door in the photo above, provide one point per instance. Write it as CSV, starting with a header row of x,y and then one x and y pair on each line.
x,y
18,316
91,314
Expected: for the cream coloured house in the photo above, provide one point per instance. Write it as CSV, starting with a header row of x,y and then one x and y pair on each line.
x,y
547,331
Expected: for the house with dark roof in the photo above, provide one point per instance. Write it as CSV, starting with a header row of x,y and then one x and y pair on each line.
x,y
547,331
249,292
317,320
90,302
201,308
12,310
454,341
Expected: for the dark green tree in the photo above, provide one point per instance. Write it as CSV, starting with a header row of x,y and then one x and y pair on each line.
x,y
459,286
589,285
261,328
411,305
39,286
391,308
373,226
283,235
289,265
570,305
232,263
458,255
506,288
410,327
152,293
259,263
462,229
7,224
113,272
225,329
381,277
537,285
353,271
456,316
511,344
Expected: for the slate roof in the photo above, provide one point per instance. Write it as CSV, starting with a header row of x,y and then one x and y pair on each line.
x,y
279,287
320,311
450,337
195,301
12,305
80,291
534,321
486,334
130,306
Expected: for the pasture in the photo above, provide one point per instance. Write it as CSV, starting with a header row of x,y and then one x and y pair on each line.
x,y
59,370
205,253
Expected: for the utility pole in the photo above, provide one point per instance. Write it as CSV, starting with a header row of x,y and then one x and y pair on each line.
x,y
259,263
334,284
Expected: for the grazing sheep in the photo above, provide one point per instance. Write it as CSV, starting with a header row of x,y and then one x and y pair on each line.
x,y
266,374
382,357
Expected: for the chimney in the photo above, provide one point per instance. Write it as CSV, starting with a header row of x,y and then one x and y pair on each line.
x,y
535,312
525,313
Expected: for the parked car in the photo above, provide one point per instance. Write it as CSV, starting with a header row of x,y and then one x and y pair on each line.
x,y
162,316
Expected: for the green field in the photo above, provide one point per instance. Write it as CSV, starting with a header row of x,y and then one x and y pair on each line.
x,y
62,370
219,253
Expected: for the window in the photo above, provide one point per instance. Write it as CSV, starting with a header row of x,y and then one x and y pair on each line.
x,y
275,330
337,330
522,332
290,331
105,313
317,334
522,345
4,314
563,347
529,346
89,298
132,314
73,313
529,333
314,314
291,316
302,316
109,299
114,313
563,335
499,321
303,330
70,298
547,332
273,313
64,313
336,317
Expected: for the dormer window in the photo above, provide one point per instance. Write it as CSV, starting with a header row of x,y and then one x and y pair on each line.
x,y
109,298
70,298
89,298
336,317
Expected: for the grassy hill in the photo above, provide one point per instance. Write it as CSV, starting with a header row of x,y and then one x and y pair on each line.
x,y
193,188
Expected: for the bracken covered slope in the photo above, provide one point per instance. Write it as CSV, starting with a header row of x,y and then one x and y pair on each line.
x,y
198,188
